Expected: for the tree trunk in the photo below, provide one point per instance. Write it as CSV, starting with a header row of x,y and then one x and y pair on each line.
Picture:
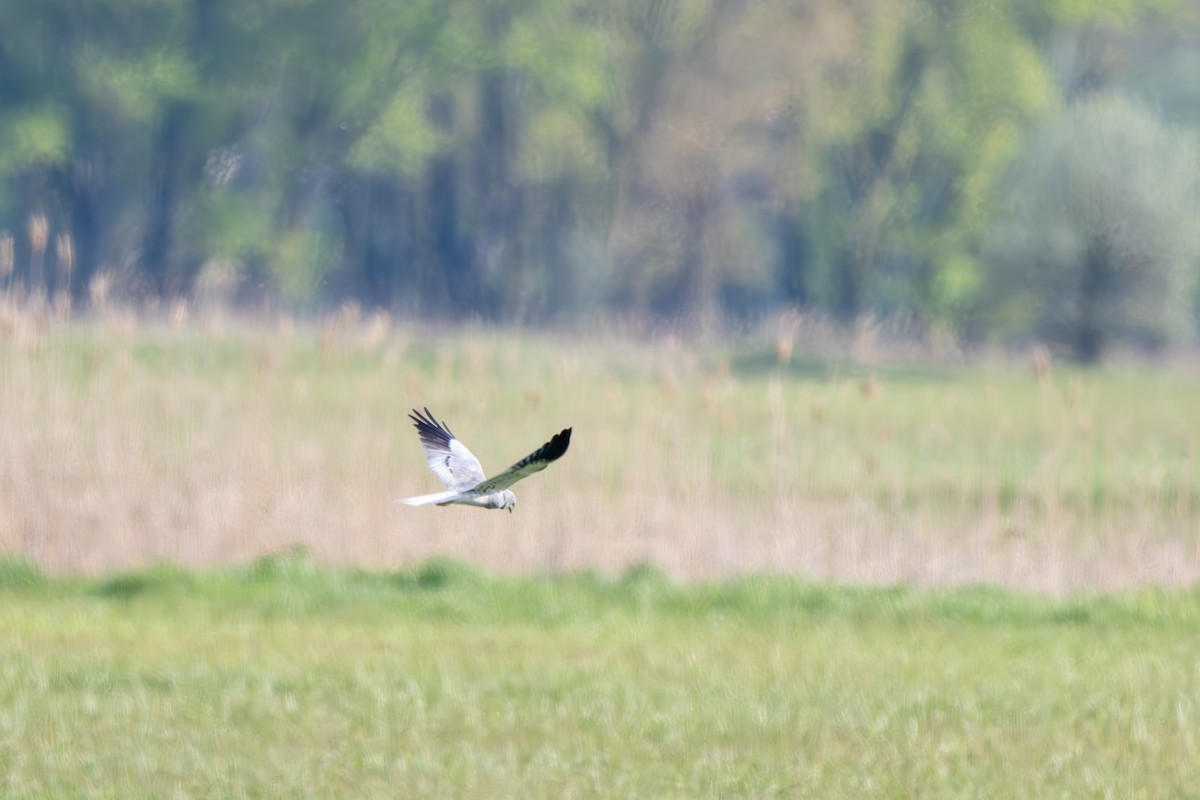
x,y
1090,338
865,166
376,214
84,203
157,246
445,270
558,223
848,302
793,261
498,201
700,284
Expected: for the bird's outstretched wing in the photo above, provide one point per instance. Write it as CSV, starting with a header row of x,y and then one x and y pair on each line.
x,y
449,458
536,461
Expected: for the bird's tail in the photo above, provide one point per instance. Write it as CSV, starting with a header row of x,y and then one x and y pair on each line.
x,y
437,498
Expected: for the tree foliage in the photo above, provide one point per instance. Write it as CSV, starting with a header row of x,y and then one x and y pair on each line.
x,y
529,160
1102,243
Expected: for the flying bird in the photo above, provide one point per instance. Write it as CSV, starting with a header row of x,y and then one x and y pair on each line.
x,y
465,482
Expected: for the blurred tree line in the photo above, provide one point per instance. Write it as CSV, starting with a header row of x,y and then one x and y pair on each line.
x,y
1015,168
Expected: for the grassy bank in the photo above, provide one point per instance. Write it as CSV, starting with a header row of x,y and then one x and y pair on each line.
x,y
126,445
286,679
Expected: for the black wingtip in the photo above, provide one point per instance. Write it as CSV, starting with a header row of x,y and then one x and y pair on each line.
x,y
557,445
429,428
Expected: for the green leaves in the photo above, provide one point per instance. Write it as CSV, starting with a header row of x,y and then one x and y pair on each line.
x,y
299,262
138,86
33,137
401,140
231,223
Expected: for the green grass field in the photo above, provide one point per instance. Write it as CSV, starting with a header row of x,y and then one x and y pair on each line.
x,y
867,580
284,679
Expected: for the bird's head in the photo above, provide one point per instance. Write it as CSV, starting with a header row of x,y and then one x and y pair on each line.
x,y
505,499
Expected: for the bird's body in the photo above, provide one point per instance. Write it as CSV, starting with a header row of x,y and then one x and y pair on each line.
x,y
462,473
504,499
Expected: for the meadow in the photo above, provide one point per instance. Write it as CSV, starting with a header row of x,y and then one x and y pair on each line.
x,y
283,678
127,444
760,571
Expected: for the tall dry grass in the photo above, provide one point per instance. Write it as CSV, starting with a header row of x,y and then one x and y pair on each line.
x,y
125,443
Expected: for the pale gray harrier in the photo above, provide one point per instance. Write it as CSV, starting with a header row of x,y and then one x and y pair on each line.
x,y
465,482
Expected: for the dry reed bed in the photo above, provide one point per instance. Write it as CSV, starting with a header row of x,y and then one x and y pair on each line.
x,y
125,445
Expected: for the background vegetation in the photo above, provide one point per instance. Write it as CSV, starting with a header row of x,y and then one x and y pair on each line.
x,y
1012,170
127,444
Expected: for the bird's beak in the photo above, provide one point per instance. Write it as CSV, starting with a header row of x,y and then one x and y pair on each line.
x,y
510,509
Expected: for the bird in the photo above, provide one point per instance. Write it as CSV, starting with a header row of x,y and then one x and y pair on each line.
x,y
462,473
